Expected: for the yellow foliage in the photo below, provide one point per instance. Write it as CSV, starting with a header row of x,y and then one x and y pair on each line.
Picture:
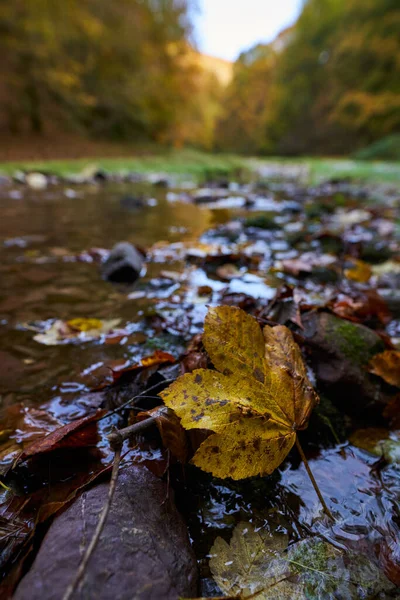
x,y
360,272
253,404
85,324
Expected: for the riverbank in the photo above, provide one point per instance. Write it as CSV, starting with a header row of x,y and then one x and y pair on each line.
x,y
203,165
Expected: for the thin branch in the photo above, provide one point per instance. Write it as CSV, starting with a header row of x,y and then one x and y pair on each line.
x,y
118,436
141,395
311,476
99,528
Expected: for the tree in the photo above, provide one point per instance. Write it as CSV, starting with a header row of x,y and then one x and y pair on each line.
x,y
240,127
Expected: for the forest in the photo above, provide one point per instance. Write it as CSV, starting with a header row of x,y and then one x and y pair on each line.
x,y
130,71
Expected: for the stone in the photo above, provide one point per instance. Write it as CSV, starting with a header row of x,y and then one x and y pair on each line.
x,y
143,553
339,352
123,264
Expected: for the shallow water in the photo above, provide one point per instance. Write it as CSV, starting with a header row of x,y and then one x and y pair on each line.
x,y
52,243
42,235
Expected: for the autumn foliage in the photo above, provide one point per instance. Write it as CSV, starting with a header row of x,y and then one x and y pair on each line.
x,y
254,403
129,70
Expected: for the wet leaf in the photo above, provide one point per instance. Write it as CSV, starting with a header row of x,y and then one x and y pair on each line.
x,y
85,325
306,263
228,271
172,433
392,411
19,427
253,404
361,307
157,358
252,563
386,365
62,332
81,433
360,271
261,563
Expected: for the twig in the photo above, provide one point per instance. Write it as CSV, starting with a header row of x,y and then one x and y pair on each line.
x,y
311,476
141,395
99,528
118,436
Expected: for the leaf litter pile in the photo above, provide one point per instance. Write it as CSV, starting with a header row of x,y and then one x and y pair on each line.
x,y
254,370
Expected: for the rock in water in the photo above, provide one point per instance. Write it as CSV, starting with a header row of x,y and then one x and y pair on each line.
x,y
36,181
143,553
123,264
339,352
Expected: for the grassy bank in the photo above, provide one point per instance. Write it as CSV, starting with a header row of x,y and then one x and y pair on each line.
x,y
201,164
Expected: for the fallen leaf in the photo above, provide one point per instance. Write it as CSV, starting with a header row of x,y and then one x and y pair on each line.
x,y
228,271
260,564
370,439
253,404
172,433
19,427
85,325
360,272
386,365
157,358
361,307
388,267
306,263
81,433
62,332
249,563
392,411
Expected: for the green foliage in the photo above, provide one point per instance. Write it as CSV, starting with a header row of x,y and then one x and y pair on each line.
x,y
387,148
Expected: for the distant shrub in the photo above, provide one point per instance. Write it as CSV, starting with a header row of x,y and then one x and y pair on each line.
x,y
387,148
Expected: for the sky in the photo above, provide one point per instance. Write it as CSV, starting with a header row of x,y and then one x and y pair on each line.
x,y
224,28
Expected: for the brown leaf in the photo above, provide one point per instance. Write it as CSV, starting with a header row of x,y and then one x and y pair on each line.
x,y
81,433
19,427
387,366
172,433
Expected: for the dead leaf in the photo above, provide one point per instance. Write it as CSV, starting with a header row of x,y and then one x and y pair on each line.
x,y
19,427
248,564
172,433
81,433
361,307
228,271
253,404
306,263
147,363
157,358
62,332
386,365
260,564
360,272
392,412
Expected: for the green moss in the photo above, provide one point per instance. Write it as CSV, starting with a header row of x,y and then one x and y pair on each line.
x,y
356,344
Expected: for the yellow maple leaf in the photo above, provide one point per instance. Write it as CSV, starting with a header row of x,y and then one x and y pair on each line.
x,y
254,404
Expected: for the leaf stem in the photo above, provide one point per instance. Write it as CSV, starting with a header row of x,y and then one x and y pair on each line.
x,y
311,476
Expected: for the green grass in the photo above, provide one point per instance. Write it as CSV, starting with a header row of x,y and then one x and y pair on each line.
x,y
201,164
191,162
387,148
